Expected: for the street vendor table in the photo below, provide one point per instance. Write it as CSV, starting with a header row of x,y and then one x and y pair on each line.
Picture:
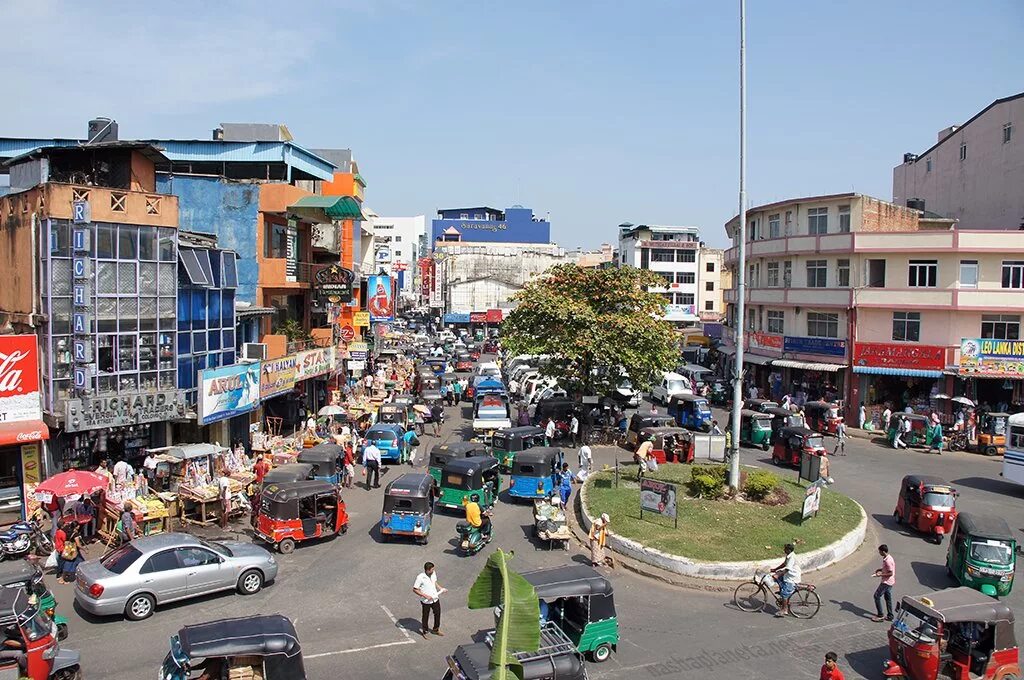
x,y
201,505
151,513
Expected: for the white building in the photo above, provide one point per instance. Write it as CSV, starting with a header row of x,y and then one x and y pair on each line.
x,y
670,252
396,248
710,284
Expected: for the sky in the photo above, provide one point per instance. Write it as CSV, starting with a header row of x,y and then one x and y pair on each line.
x,y
596,112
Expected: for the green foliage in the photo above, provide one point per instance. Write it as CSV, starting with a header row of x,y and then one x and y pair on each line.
x,y
719,472
293,330
760,484
705,486
519,624
588,319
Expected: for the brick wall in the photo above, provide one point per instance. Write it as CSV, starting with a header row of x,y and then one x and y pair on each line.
x,y
886,217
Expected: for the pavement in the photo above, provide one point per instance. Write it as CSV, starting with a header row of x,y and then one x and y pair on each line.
x,y
352,604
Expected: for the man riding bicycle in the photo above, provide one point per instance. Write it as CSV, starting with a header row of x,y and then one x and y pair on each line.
x,y
787,576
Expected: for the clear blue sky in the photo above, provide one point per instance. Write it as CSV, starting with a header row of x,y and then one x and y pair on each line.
x,y
599,112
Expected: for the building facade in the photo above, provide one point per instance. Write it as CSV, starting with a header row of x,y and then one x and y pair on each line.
x,y
396,245
670,252
710,289
490,225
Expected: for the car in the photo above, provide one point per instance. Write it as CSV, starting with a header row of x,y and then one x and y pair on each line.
x,y
626,394
671,384
488,368
153,570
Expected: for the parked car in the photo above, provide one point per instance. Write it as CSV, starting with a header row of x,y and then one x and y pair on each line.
x,y
670,385
141,574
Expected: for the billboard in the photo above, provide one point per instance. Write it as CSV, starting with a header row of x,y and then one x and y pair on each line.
x,y
228,391
19,379
991,357
277,376
381,303
314,362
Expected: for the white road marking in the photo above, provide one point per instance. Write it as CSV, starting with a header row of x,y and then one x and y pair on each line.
x,y
405,634
391,616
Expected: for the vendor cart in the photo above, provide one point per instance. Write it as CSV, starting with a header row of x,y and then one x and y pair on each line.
x,y
550,523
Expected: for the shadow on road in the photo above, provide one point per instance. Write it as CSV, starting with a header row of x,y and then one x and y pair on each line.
x,y
855,609
409,624
999,486
931,575
866,663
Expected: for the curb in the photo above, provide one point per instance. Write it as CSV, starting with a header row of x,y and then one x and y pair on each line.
x,y
721,571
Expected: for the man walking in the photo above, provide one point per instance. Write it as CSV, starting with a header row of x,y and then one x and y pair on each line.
x,y
840,449
643,452
429,591
574,430
888,575
586,458
549,432
371,465
437,415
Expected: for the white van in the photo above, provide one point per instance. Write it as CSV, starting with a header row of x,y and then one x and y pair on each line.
x,y
670,385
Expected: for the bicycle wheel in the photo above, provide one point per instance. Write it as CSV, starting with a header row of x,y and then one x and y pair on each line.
x,y
749,596
804,603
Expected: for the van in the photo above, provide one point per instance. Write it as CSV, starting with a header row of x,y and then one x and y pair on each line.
x,y
695,373
670,385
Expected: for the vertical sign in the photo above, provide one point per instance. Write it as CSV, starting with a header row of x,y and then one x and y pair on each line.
x,y
82,300
291,253
381,299
30,476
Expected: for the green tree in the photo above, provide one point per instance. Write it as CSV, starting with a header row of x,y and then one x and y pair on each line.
x,y
518,626
598,326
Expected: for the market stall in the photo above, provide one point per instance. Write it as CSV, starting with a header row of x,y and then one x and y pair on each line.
x,y
186,472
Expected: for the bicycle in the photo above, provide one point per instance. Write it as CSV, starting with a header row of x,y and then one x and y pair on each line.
x,y
753,595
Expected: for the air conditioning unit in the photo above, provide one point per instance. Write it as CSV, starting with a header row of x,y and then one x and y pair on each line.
x,y
254,351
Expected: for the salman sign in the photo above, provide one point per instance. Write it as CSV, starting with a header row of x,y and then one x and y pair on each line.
x,y
990,357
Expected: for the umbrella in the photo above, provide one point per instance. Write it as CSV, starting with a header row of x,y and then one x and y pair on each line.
x,y
963,400
420,408
942,396
71,483
331,410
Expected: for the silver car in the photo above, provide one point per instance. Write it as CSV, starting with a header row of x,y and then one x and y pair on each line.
x,y
135,577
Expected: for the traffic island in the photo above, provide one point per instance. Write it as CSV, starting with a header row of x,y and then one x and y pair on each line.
x,y
719,538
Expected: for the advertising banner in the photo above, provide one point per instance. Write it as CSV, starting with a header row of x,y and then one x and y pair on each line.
x,y
832,347
361,319
456,317
893,355
996,358
31,475
381,303
657,497
357,351
123,409
228,391
759,340
478,317
333,284
19,379
314,362
494,316
277,376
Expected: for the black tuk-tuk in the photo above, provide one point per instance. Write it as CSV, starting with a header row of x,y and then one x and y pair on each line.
x,y
442,454
639,421
393,413
267,645
408,507
326,461
556,658
290,472
782,417
505,444
28,575
761,405
556,408
467,476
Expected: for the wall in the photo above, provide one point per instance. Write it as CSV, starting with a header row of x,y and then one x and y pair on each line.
x,y
518,227
17,254
409,230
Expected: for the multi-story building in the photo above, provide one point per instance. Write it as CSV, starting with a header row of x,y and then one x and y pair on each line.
x,y
396,244
710,298
670,252
854,297
973,173
490,225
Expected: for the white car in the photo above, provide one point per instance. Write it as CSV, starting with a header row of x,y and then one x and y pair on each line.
x,y
489,368
670,385
625,394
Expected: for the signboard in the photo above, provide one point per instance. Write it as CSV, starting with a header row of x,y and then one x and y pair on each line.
x,y
456,317
760,340
399,266
361,319
382,255
987,356
381,303
314,362
19,379
347,333
228,391
681,310
812,502
478,317
333,284
896,355
494,316
31,475
356,366
124,409
381,330
357,351
277,376
659,498
832,347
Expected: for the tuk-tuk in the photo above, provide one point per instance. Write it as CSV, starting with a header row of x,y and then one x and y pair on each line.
x,y
718,392
264,647
393,414
781,417
25,622
761,405
955,634
299,511
326,461
992,434
430,386
436,364
533,472
756,428
442,454
388,438
555,657
289,472
793,441
926,504
505,444
464,477
690,411
463,361
982,553
918,435
671,444
556,408
408,507
28,575
474,351
640,421
822,416
491,412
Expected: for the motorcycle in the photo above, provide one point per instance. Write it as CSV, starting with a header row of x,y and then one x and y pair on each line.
x,y
21,538
471,539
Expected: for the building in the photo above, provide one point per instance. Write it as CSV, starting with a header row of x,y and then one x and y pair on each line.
x,y
973,173
670,252
490,225
863,300
710,288
594,259
396,245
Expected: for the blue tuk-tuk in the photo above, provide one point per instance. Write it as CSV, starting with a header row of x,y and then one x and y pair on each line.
x,y
408,507
326,461
533,472
388,438
691,411
436,364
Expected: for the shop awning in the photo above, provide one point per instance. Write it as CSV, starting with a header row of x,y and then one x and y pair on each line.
x,y
906,372
758,359
335,207
23,432
808,365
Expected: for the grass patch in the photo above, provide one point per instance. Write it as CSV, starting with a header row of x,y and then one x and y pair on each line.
x,y
719,531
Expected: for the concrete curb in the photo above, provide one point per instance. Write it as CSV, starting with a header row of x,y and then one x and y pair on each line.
x,y
725,571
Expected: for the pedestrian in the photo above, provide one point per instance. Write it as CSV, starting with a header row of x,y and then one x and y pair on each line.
x,y
260,469
371,465
565,484
715,429
437,415
71,554
524,416
59,539
224,489
643,452
457,391
884,590
598,535
549,432
429,591
149,469
348,466
586,458
444,394
862,416
574,429
897,436
87,508
840,449
829,670
128,530
886,417
412,443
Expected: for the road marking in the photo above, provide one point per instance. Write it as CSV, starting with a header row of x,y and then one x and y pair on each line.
x,y
405,634
391,616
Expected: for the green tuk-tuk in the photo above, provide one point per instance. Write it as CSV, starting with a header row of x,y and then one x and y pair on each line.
x,y
982,553
756,429
506,443
718,392
442,454
23,573
463,477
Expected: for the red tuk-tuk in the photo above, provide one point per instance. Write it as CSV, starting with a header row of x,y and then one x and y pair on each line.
x,y
822,416
791,442
32,633
955,634
926,504
299,511
671,444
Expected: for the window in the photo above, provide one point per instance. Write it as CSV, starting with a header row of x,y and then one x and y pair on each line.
x,y
751,278
662,255
774,226
844,219
843,273
928,164
776,321
817,273
276,241
162,561
1013,274
822,325
968,273
817,221
906,326
686,256
684,298
789,222
398,239
710,267
398,253
787,274
752,232
773,274
709,306
196,557
464,216
686,277
1000,326
963,151
709,285
923,273
668,276
875,273
1007,133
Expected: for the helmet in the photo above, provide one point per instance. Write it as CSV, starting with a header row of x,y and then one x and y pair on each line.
x,y
475,497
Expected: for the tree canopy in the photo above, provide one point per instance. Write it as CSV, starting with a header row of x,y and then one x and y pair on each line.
x,y
597,325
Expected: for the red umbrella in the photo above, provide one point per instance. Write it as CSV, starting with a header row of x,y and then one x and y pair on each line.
x,y
74,482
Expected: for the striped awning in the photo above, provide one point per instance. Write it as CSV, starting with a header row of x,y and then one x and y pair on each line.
x,y
808,365
906,372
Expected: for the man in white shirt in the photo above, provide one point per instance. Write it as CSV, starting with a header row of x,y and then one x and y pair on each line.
x,y
371,461
429,591
574,430
549,432
224,486
586,458
149,468
787,575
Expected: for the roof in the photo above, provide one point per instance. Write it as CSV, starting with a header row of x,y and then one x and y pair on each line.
x,y
411,481
385,427
290,491
556,657
321,452
803,199
243,309
188,451
150,151
246,636
652,418
988,526
750,413
459,448
961,604
973,118
574,580
12,601
927,480
479,207
17,571
799,429
687,397
333,207
538,454
655,431
470,464
288,472
521,430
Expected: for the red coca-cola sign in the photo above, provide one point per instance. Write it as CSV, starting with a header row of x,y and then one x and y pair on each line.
x,y
19,379
893,355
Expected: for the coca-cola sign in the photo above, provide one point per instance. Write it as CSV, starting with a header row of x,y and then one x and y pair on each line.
x,y
19,379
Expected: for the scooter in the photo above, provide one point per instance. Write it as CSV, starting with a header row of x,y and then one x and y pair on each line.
x,y
21,538
471,539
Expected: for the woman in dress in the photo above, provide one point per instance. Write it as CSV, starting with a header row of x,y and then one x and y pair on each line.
x,y
598,536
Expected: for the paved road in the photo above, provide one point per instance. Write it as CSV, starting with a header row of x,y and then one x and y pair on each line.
x,y
352,604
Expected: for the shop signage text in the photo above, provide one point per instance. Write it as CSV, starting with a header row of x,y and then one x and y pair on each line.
x,y
314,362
277,376
987,356
827,346
228,391
478,317
357,351
333,283
19,379
134,409
347,333
361,319
494,315
83,356
456,317
765,340
893,355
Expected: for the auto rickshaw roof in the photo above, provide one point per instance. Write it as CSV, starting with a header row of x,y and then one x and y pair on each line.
x,y
460,449
411,485
326,451
17,571
406,399
954,605
925,480
474,661
282,492
687,397
760,402
911,416
802,431
821,404
663,431
988,526
392,408
538,454
245,636
521,431
996,414
471,464
575,580
651,420
750,413
779,411
289,472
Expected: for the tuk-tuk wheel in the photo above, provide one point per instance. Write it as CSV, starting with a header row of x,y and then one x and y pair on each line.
x,y
602,652
896,516
765,447
62,632
991,451
938,539
286,546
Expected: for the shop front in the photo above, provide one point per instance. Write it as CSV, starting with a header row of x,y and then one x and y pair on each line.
x,y
762,351
812,368
313,368
991,373
22,431
898,375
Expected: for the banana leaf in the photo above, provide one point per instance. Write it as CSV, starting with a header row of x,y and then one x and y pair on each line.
x,y
518,626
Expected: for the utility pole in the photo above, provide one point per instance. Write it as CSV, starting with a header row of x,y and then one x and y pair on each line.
x,y
740,318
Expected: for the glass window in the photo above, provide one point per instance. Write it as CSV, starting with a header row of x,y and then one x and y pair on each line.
x,y
686,277
184,344
227,309
817,221
127,242
817,273
963,151
844,219
128,314
684,298
120,558
968,273
787,274
106,278
843,271
276,241
168,279
669,277
60,277
1000,326
198,309
213,314
710,266
162,561
196,557
204,262
127,278
686,256
147,243
923,273
822,325
875,274
1013,274
773,274
213,341
663,255
709,305
709,285
195,273
147,278
1007,133
198,342
774,226
166,236
147,314
60,238
106,248
184,311
776,321
229,358
230,274
228,339
906,326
